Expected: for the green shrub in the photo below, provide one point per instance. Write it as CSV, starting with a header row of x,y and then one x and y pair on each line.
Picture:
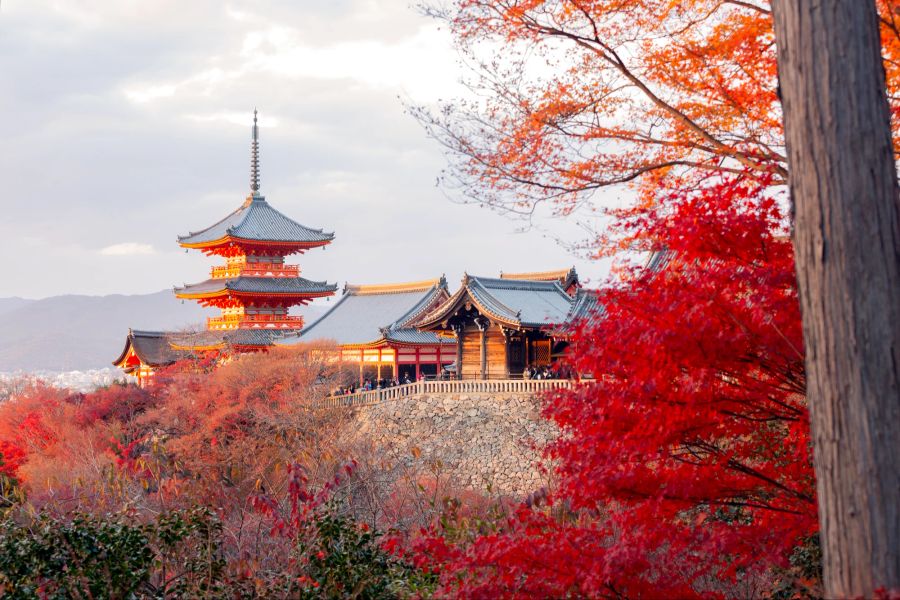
x,y
91,557
180,555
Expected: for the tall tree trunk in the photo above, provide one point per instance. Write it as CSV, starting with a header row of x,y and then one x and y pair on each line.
x,y
847,238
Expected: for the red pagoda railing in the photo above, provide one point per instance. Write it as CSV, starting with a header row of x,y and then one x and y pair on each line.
x,y
256,270
254,322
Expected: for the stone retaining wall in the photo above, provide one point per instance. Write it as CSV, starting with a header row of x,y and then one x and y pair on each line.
x,y
484,442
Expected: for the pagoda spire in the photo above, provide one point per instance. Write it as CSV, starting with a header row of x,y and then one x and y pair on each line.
x,y
254,159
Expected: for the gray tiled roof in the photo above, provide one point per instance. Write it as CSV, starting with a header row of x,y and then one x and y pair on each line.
x,y
586,308
151,347
155,348
257,220
521,303
251,337
364,318
411,335
658,260
263,285
529,303
196,339
238,337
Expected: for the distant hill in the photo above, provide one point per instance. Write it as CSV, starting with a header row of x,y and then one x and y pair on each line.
x,y
65,333
8,304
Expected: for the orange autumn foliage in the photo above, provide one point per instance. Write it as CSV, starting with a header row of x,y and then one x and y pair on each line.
x,y
577,95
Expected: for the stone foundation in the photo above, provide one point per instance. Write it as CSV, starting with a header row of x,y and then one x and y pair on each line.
x,y
484,442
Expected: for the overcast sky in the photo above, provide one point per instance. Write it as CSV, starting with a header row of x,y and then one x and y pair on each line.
x,y
126,123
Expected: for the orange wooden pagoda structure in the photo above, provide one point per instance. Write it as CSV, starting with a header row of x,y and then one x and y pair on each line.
x,y
255,288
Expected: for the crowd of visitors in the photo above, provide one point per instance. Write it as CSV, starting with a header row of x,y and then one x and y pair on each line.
x,y
370,384
551,372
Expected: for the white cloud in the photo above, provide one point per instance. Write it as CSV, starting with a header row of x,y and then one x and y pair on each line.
x,y
418,65
150,92
128,249
163,123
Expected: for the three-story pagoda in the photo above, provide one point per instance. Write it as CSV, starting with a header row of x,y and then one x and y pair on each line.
x,y
255,287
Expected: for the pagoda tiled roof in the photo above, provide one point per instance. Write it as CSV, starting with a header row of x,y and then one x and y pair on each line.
x,y
373,314
256,220
257,285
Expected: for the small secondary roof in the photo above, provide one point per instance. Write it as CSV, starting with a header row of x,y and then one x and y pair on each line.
x,y
152,348
161,348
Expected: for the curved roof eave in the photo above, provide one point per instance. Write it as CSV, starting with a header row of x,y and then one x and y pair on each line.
x,y
452,305
124,355
256,221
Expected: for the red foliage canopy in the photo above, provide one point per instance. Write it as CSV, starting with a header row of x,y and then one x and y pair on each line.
x,y
685,464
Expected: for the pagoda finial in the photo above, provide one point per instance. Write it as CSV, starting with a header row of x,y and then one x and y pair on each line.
x,y
254,158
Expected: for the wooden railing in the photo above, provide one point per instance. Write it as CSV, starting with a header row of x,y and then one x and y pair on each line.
x,y
497,386
257,270
249,321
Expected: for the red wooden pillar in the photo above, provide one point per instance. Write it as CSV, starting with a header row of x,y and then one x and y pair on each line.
x,y
378,368
361,363
527,351
440,365
396,363
418,365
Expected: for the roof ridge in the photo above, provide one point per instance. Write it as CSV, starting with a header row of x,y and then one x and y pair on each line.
x,y
391,288
536,275
147,333
516,283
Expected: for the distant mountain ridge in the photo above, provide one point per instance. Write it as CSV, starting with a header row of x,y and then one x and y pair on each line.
x,y
72,332
8,304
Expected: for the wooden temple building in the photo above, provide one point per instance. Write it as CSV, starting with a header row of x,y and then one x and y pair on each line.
x,y
495,328
376,326
504,326
254,289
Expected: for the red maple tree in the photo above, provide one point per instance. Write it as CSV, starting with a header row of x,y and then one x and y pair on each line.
x,y
684,465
